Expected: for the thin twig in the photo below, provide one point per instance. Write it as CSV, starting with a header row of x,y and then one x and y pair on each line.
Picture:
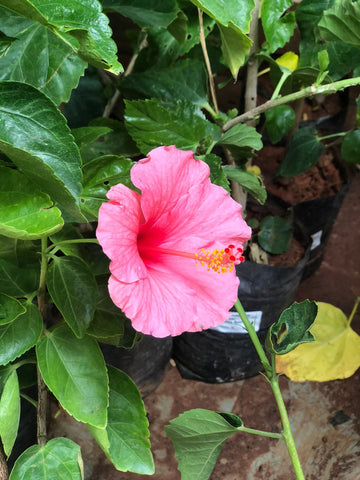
x,y
113,100
305,92
207,61
252,64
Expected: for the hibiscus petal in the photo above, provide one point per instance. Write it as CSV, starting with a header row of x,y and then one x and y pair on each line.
x,y
177,296
117,231
165,175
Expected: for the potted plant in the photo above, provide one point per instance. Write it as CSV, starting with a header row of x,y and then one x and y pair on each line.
x,y
58,167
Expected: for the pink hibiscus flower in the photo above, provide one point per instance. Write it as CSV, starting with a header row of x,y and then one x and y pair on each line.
x,y
173,247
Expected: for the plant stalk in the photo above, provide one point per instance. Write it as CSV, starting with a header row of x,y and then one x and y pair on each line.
x,y
4,473
42,390
207,61
357,301
261,433
305,92
274,383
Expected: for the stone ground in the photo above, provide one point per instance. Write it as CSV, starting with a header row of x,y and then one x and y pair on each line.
x,y
324,416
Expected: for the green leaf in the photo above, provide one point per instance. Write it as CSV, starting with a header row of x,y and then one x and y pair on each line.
x,y
145,13
74,370
243,137
68,232
342,23
9,412
217,173
5,42
198,436
26,212
278,27
10,309
116,142
249,182
34,135
297,319
85,135
185,80
302,153
20,335
73,289
16,281
80,25
59,458
39,58
236,12
151,125
350,147
126,438
279,120
235,46
275,235
99,175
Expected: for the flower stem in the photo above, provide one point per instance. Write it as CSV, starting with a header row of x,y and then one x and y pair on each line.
x,y
274,383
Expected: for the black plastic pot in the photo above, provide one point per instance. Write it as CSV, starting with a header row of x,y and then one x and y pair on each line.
x,y
317,218
145,364
224,354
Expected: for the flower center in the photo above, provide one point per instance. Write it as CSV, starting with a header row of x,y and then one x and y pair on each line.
x,y
219,260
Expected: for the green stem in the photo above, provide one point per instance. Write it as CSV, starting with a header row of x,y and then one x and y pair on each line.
x,y
67,242
254,338
29,399
305,92
340,134
357,301
280,84
42,390
287,434
279,436
274,383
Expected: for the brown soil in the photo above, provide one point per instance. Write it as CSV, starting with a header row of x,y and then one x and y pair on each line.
x,y
323,180
290,257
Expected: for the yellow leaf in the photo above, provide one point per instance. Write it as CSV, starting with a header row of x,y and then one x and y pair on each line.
x,y
289,60
335,354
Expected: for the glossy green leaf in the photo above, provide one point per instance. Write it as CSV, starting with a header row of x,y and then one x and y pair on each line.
x,y
99,175
81,25
236,12
185,80
279,120
9,412
243,137
278,26
10,309
16,281
39,58
126,437
115,142
297,320
151,125
235,46
26,212
145,13
86,135
350,147
5,43
73,289
34,135
20,335
275,235
198,436
302,153
341,22
74,370
59,458
249,182
217,173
